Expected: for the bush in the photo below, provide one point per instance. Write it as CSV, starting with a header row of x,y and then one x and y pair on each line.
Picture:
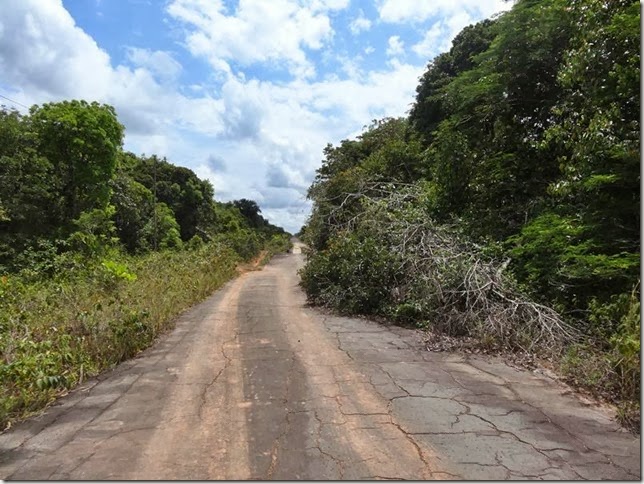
x,y
354,275
56,332
395,261
245,242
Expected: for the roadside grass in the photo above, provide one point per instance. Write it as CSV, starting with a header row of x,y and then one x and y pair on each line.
x,y
604,374
56,332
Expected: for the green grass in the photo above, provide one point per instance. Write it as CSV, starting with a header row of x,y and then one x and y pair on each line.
x,y
55,332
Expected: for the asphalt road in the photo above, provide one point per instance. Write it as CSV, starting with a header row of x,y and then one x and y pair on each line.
x,y
252,384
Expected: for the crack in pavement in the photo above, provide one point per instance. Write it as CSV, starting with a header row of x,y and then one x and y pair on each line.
x,y
318,446
509,387
287,424
254,384
466,409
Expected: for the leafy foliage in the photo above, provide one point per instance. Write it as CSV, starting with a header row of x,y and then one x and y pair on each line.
x,y
89,238
395,261
81,141
524,143
55,332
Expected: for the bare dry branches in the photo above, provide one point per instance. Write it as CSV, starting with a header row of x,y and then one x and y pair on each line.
x,y
448,282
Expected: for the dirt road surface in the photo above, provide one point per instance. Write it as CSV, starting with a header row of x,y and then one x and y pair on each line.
x,y
252,384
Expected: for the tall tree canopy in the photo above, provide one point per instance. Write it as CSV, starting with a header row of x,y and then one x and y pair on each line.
x,y
67,184
525,136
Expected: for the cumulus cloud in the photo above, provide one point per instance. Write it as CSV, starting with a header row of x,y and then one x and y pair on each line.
x,y
359,24
243,110
447,17
217,164
283,176
281,198
439,37
257,31
158,62
404,11
268,135
26,60
450,17
294,216
44,56
395,46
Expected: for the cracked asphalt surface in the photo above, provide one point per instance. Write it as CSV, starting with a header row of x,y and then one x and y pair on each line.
x,y
252,384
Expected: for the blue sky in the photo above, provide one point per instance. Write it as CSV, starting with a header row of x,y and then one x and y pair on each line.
x,y
246,93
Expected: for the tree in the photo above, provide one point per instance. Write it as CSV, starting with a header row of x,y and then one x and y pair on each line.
x,y
595,134
81,141
27,198
134,208
250,211
161,230
430,109
385,152
483,109
190,198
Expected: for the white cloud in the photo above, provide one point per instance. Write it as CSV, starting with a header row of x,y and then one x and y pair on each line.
x,y
217,164
395,46
433,43
450,17
351,66
156,61
328,5
439,37
257,31
414,11
254,138
359,24
26,59
46,57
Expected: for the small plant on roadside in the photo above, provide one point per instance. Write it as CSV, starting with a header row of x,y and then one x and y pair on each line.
x,y
112,272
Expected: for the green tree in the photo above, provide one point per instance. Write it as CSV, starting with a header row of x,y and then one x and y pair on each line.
x,y
161,230
27,198
430,107
81,141
595,135
134,207
190,198
250,211
385,152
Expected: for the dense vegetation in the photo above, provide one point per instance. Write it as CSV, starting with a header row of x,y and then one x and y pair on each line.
x,y
506,206
100,248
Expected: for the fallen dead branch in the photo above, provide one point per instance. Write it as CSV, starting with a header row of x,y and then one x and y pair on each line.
x,y
446,282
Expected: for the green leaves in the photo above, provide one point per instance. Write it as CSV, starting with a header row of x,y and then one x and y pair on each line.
x,y
354,274
526,136
117,271
46,382
81,140
56,331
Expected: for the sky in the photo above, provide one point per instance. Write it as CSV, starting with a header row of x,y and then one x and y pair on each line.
x,y
246,93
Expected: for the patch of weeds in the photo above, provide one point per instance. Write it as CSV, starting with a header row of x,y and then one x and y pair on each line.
x,y
583,367
56,332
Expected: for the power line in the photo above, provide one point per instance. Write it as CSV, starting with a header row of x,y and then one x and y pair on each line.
x,y
15,102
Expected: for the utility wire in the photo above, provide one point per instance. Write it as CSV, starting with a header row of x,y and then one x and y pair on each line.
x,y
15,102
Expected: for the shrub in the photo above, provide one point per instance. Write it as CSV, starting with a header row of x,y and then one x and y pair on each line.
x,y
394,260
354,275
56,332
